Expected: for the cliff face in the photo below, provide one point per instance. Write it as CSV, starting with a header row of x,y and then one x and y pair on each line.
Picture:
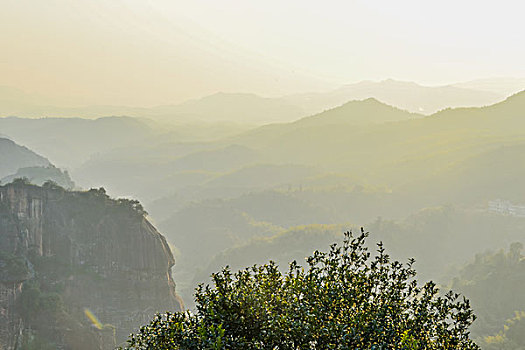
x,y
68,256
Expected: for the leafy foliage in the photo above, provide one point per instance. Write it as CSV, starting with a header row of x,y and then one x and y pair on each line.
x,y
133,205
345,299
21,181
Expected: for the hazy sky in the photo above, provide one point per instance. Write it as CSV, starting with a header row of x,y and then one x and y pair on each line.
x,y
140,52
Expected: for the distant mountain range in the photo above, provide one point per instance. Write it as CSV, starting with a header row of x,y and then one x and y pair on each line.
x,y
351,163
408,96
71,141
14,157
361,142
336,140
358,112
505,86
390,146
20,162
253,109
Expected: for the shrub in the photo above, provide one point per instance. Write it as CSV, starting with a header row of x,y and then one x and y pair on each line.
x,y
344,299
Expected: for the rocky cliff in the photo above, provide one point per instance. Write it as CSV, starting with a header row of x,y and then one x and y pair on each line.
x,y
78,270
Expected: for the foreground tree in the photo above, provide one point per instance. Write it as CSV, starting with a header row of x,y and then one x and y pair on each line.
x,y
344,299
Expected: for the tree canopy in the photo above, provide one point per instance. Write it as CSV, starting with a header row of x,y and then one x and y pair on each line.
x,y
346,298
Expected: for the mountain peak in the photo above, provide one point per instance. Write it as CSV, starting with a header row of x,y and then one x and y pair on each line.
x,y
371,101
369,110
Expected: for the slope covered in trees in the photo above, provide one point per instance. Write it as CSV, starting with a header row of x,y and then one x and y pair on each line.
x,y
494,281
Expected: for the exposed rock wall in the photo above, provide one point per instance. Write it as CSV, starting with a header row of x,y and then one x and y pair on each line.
x,y
11,326
66,252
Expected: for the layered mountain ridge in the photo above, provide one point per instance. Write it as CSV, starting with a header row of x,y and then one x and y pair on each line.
x,y
13,157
